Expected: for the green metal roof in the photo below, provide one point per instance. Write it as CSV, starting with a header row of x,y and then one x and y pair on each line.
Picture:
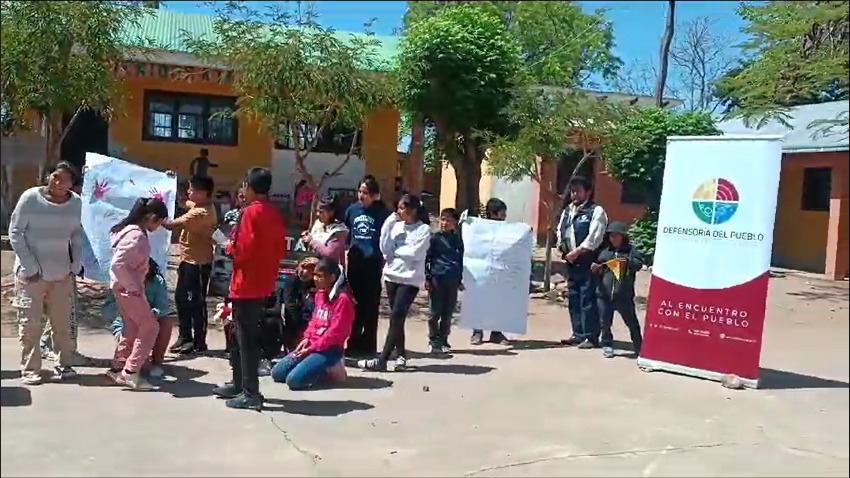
x,y
166,30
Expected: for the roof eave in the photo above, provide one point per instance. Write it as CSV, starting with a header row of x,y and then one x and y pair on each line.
x,y
816,149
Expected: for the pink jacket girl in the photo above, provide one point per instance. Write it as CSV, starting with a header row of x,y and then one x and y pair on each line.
x,y
130,252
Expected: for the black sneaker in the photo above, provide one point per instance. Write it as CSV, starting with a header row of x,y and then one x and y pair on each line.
x,y
499,338
477,338
200,348
185,349
586,344
570,342
228,390
245,402
180,344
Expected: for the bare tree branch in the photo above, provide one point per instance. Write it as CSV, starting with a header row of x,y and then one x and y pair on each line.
x,y
699,57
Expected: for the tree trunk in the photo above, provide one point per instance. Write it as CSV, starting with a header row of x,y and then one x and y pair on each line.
x,y
468,176
664,55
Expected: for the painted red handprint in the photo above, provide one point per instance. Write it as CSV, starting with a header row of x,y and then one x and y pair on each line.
x,y
100,189
156,194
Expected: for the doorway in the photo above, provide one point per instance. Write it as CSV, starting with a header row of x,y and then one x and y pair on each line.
x,y
88,134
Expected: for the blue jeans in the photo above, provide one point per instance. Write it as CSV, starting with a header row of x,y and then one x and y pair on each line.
x,y
301,373
581,302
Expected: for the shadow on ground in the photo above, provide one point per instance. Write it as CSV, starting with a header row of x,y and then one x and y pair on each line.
x,y
828,294
315,408
15,397
179,381
451,368
772,379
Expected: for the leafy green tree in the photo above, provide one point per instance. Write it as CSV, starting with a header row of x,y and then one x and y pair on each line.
x,y
298,80
638,156
553,122
798,51
457,70
59,59
560,44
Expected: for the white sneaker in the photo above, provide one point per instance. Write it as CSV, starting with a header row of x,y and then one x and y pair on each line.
x,y
116,377
155,371
64,373
400,364
372,364
135,381
265,368
31,378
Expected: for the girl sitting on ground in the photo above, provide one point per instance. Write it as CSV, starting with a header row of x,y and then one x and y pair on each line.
x,y
319,354
156,293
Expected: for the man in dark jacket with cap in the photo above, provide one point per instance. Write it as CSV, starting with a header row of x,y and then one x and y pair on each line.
x,y
617,263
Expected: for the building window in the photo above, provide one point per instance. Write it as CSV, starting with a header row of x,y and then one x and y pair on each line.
x,y
817,185
632,195
195,119
335,140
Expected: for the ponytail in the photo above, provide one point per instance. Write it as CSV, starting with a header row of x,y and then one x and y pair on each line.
x,y
142,208
331,267
410,201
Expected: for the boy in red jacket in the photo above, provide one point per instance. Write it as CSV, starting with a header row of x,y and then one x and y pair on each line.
x,y
257,245
320,351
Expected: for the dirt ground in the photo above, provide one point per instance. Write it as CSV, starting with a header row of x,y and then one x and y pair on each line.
x,y
532,409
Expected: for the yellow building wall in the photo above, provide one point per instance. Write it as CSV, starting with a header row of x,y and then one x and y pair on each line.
x,y
380,147
254,148
448,186
799,237
125,132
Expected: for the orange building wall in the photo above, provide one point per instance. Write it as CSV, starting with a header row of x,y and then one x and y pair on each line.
x,y
608,193
125,131
254,148
801,239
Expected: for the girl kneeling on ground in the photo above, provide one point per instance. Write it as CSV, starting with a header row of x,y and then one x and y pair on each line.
x,y
319,354
156,293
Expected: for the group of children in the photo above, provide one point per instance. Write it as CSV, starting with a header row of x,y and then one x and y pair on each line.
x,y
324,316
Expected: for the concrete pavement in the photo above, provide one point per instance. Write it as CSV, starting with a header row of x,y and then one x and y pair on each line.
x,y
534,410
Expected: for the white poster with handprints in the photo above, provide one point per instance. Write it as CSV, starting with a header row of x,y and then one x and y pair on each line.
x,y
110,187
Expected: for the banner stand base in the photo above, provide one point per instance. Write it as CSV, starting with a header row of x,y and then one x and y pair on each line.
x,y
655,365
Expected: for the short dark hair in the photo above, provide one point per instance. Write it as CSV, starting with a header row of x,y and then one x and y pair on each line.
x,y
494,206
259,180
202,183
204,152
371,184
66,167
450,212
581,181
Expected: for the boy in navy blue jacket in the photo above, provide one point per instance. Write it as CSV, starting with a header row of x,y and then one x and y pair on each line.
x,y
443,279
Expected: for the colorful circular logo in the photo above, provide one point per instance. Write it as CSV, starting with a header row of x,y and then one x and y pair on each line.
x,y
715,201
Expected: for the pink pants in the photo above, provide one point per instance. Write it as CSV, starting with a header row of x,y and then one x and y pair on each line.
x,y
140,331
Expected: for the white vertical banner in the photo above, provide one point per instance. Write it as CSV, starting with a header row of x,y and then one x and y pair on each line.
x,y
707,298
110,188
496,273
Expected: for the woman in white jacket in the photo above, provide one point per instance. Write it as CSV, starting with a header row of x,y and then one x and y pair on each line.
x,y
405,238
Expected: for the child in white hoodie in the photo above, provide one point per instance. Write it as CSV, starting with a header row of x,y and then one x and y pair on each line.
x,y
405,238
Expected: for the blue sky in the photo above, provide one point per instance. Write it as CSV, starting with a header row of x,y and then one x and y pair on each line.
x,y
637,25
